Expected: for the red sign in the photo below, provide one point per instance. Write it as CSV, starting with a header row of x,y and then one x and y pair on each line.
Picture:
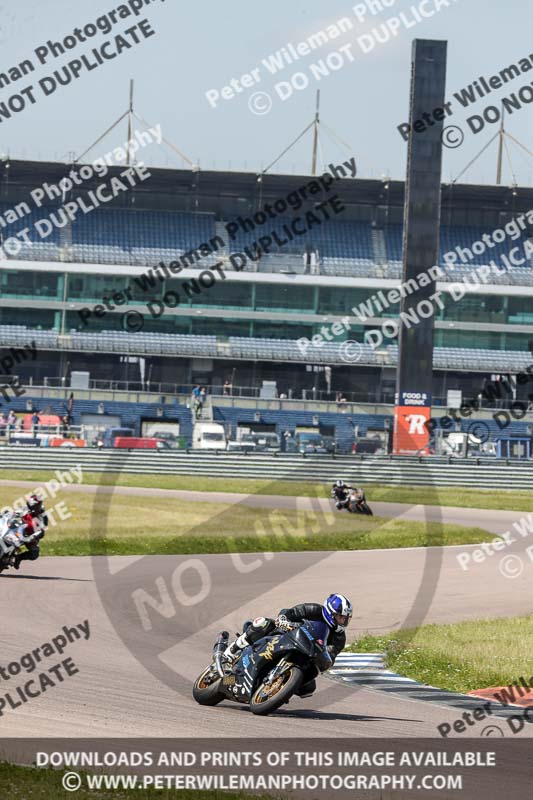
x,y
411,430
60,441
49,420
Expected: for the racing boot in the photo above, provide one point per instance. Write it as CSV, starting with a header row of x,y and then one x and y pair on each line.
x,y
253,631
233,650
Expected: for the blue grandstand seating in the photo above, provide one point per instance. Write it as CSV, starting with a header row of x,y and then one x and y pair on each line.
x,y
452,236
142,237
40,249
255,349
138,237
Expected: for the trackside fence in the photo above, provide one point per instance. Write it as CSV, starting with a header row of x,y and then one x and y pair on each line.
x,y
405,471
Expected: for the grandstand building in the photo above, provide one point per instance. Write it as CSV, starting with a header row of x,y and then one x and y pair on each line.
x,y
246,325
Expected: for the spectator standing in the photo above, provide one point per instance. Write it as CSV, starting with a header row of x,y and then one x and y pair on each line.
x,y
196,404
11,420
35,423
3,423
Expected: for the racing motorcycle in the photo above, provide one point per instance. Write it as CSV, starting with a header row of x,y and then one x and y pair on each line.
x,y
11,542
10,545
268,673
356,503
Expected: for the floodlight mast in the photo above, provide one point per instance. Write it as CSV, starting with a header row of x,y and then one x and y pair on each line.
x,y
315,132
131,114
503,137
130,118
317,125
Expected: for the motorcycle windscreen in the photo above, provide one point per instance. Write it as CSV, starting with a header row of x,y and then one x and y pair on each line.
x,y
319,629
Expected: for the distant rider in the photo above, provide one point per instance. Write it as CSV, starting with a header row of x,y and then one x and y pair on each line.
x,y
34,522
340,492
336,612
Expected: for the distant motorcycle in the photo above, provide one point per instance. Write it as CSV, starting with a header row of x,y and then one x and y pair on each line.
x,y
355,503
268,673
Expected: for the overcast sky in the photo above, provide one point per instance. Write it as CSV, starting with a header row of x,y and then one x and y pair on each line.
x,y
201,46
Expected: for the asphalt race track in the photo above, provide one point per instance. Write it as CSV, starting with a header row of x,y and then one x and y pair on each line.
x,y
114,694
492,521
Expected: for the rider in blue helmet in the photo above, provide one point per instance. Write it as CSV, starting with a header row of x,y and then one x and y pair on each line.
x,y
336,612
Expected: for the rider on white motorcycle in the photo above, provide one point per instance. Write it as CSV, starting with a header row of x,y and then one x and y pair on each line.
x,y
340,493
12,534
24,528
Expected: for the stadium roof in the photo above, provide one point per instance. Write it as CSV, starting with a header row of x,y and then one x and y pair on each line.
x,y
191,190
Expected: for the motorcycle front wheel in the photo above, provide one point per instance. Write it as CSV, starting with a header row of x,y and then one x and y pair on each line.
x,y
367,510
205,693
268,698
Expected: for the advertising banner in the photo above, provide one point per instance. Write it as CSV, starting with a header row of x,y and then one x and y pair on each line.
x,y
411,429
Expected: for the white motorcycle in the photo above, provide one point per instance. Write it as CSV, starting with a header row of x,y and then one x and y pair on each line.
x,y
12,539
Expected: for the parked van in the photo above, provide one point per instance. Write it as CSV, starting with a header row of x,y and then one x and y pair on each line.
x,y
208,436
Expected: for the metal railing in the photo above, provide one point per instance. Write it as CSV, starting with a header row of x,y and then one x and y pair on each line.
x,y
401,471
340,400
10,430
219,390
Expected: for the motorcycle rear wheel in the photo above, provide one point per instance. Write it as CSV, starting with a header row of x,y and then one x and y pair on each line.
x,y
367,510
207,694
268,699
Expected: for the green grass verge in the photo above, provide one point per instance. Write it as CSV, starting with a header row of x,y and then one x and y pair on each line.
x,y
389,535
460,657
119,524
26,783
414,495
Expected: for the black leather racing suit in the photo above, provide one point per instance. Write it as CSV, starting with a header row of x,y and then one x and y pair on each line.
x,y
336,639
264,626
38,522
341,495
313,611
